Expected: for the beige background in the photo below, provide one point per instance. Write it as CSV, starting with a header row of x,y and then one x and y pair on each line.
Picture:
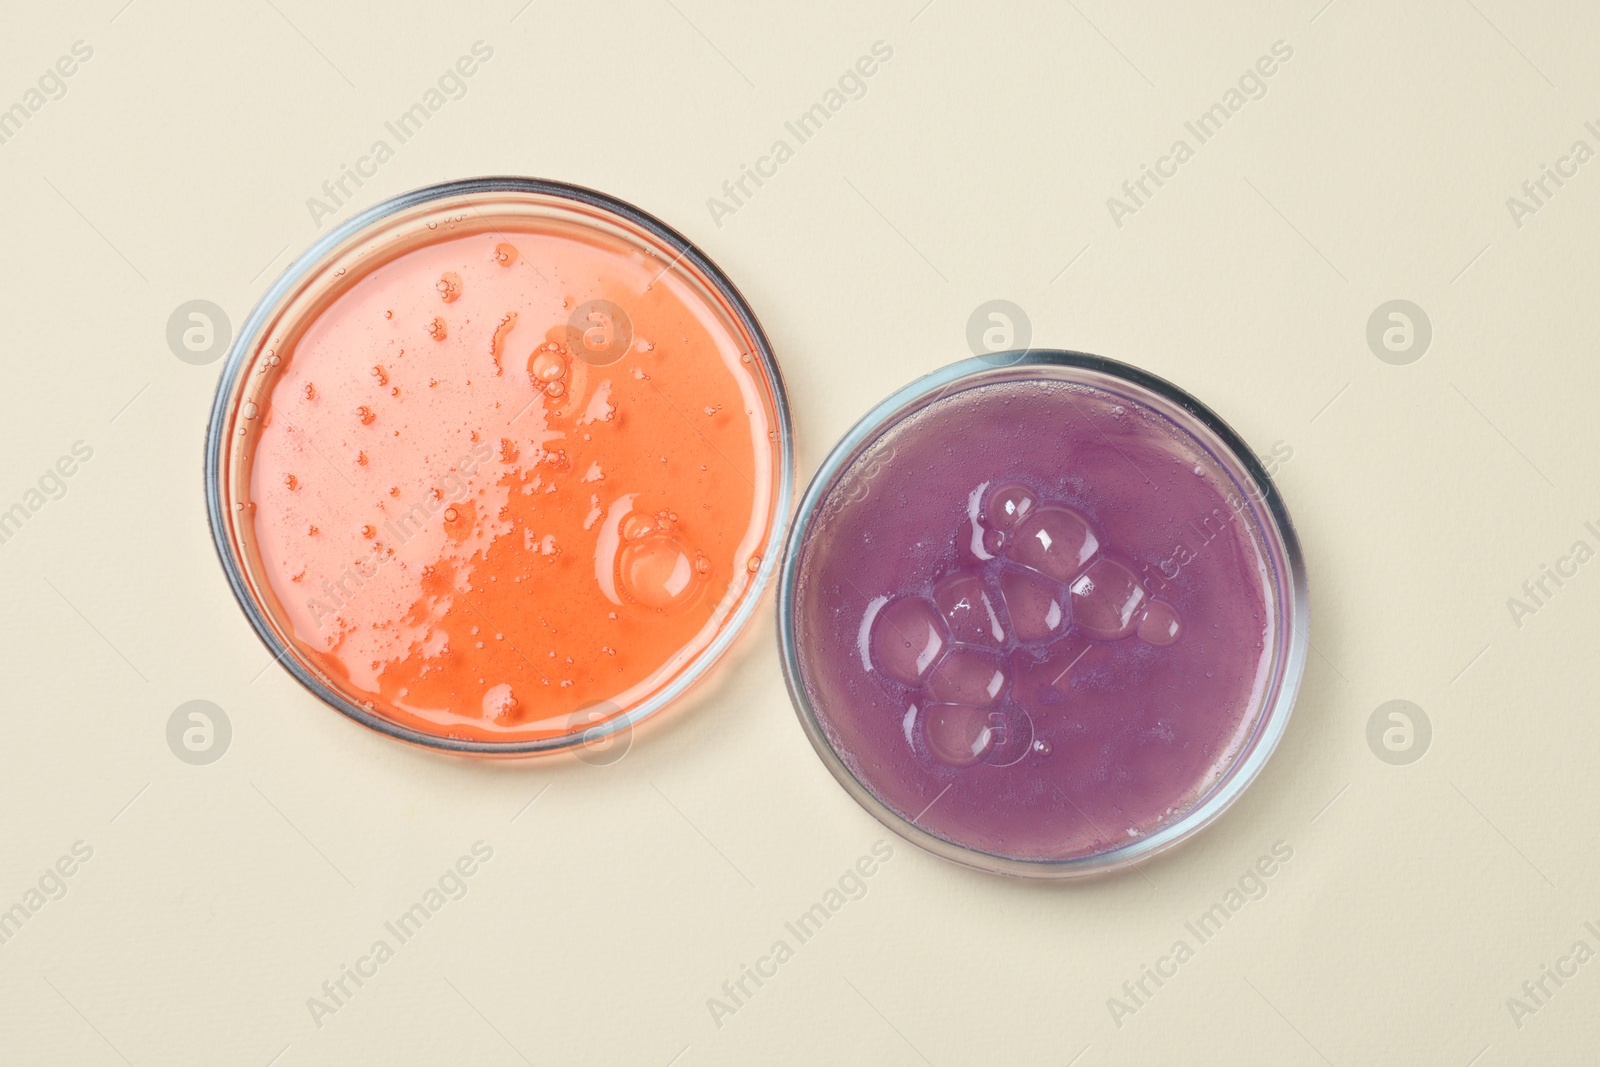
x,y
1419,898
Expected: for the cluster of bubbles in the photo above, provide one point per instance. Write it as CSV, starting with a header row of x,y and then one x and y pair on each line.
x,y
547,367
655,569
995,639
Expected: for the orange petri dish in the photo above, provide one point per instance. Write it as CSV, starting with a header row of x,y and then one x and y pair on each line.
x,y
499,467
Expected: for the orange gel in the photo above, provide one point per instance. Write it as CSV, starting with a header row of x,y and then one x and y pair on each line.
x,y
510,483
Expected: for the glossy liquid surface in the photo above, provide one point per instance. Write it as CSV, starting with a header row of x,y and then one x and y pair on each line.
x,y
492,508
1034,619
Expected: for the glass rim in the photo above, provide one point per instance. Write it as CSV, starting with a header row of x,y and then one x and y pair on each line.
x,y
1272,716
250,336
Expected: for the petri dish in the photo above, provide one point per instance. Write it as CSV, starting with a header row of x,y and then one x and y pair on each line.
x,y
1043,614
500,466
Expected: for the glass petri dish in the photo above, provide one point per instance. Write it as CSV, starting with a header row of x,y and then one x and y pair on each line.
x,y
499,466
1043,614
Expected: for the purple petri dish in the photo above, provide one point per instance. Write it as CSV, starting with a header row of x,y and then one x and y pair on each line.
x,y
1043,614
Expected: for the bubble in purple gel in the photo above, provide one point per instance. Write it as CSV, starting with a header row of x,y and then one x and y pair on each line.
x,y
1034,604
967,676
1160,625
967,609
1054,540
907,637
1106,600
957,735
1010,735
978,545
1007,504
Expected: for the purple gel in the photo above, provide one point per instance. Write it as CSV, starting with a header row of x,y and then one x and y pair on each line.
x,y
1035,619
